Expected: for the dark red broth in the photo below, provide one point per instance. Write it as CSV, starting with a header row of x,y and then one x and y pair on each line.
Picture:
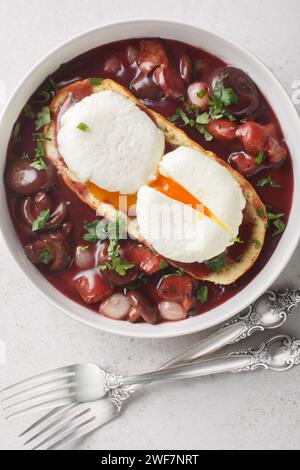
x,y
93,64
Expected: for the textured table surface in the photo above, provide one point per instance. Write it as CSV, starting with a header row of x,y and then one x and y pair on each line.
x,y
258,411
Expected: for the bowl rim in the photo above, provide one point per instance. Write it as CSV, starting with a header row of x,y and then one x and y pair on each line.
x,y
270,272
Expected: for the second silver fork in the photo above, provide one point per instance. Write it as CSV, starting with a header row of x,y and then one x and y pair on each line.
x,y
269,312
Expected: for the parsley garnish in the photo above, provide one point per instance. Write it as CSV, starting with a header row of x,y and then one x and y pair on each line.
x,y
95,231
41,221
44,97
28,111
24,156
257,244
39,164
203,131
276,220
280,226
164,264
217,263
95,81
222,97
83,127
201,94
178,273
46,256
202,294
260,158
118,264
268,181
235,240
16,133
43,118
261,212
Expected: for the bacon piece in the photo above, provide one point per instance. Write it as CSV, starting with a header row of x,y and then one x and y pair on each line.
x,y
176,288
92,288
142,257
223,129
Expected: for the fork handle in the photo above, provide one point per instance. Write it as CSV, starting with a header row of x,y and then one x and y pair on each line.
x,y
210,344
279,354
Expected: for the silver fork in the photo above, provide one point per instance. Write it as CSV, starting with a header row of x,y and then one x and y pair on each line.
x,y
62,427
84,382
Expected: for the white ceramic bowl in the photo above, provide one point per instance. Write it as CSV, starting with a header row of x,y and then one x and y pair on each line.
x,y
232,54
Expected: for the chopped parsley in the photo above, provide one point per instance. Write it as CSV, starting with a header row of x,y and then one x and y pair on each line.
x,y
46,256
24,156
95,231
235,240
28,111
202,294
260,158
268,181
276,221
217,263
117,263
201,94
16,133
280,226
261,212
95,81
203,131
83,127
221,98
39,164
43,118
178,273
257,244
41,221
44,97
40,153
164,264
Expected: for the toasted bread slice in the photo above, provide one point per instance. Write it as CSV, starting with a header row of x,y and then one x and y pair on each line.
x,y
175,137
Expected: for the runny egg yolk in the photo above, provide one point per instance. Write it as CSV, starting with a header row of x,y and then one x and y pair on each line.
x,y
123,203
174,190
164,185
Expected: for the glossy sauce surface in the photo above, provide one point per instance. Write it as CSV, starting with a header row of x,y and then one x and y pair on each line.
x,y
111,61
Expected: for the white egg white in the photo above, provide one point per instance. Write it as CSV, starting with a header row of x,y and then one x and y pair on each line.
x,y
176,230
120,148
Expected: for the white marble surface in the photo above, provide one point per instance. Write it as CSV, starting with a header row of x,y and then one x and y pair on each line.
x,y
259,411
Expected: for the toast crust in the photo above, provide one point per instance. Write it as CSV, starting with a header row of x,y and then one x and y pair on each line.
x,y
175,137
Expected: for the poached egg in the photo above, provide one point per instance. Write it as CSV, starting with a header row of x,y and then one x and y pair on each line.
x,y
107,140
193,211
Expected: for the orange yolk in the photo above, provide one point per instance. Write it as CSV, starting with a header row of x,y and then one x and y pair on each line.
x,y
123,203
164,185
175,191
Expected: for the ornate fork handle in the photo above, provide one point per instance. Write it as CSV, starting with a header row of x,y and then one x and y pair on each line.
x,y
269,312
279,354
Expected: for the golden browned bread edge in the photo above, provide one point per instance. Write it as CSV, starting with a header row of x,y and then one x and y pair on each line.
x,y
176,137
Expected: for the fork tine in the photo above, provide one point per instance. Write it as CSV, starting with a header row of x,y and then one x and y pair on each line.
x,y
37,396
44,375
55,402
84,419
45,418
59,421
36,388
